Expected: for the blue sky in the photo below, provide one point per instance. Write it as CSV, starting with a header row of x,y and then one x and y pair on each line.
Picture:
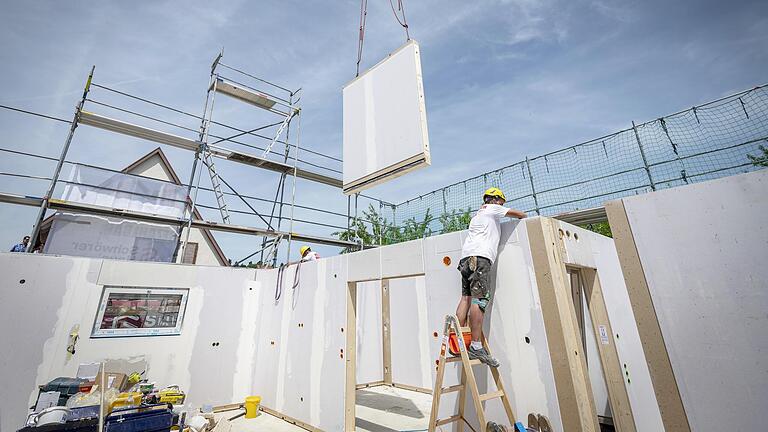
x,y
503,78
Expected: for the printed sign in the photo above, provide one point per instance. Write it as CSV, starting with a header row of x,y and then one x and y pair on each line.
x,y
603,334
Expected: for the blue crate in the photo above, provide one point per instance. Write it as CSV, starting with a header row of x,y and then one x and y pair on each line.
x,y
155,418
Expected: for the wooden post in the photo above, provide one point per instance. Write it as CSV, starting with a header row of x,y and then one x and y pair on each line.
x,y
662,376
574,391
351,358
385,333
623,419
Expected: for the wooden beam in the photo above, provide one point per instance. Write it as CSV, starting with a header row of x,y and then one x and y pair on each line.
x,y
289,419
385,332
574,391
673,413
350,358
623,418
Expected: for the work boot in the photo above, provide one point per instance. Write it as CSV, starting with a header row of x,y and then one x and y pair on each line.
x,y
482,355
494,427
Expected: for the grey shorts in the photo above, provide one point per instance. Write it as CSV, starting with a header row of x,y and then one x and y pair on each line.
x,y
475,279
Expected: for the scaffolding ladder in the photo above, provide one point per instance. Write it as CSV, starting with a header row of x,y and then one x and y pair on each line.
x,y
468,383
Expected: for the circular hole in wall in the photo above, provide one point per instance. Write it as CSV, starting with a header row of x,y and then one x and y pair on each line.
x,y
447,260
576,236
301,399
527,340
22,281
434,334
560,231
568,234
334,275
617,335
342,329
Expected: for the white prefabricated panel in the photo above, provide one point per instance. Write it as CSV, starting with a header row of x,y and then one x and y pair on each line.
x,y
385,121
704,254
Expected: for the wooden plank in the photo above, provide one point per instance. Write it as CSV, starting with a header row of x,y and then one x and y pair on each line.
x,y
448,420
623,418
412,388
491,395
574,392
351,358
370,384
673,413
453,388
385,332
289,419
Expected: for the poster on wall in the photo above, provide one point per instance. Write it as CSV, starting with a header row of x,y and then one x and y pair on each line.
x,y
136,311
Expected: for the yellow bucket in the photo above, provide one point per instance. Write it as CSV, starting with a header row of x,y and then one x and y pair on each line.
x,y
252,406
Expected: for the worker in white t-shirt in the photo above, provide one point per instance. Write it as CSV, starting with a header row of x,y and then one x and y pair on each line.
x,y
477,256
307,254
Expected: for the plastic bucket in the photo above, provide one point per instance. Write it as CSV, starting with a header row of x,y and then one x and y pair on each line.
x,y
453,343
252,406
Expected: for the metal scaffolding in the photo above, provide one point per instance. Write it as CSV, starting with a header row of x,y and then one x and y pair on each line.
x,y
207,147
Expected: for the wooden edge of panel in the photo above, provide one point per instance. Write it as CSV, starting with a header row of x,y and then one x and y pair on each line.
x,y
670,403
412,388
574,394
350,358
386,333
623,417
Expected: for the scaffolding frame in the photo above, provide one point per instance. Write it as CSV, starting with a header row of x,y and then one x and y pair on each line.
x,y
204,156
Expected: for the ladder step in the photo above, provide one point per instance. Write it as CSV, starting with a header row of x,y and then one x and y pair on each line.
x,y
451,389
492,395
458,359
448,420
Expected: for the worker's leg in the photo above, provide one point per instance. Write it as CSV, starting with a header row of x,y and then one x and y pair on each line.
x,y
480,288
476,316
462,310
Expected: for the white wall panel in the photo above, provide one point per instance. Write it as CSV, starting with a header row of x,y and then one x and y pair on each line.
x,y
704,249
385,122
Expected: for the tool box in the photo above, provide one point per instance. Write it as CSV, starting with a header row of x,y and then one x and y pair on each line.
x,y
65,386
154,418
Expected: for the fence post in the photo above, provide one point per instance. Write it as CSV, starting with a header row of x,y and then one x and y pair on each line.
x,y
642,153
533,189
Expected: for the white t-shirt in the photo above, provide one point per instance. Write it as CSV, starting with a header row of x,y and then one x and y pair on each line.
x,y
484,231
311,256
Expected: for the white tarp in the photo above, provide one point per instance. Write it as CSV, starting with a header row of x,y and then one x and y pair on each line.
x,y
385,121
115,238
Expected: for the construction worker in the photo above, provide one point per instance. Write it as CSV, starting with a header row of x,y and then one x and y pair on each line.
x,y
478,254
307,254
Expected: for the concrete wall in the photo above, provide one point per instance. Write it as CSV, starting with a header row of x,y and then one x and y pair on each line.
x,y
704,255
291,352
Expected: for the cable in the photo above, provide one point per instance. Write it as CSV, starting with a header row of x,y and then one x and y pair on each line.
x,y
361,37
404,23
34,114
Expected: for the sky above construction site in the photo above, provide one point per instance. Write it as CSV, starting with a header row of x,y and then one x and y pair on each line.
x,y
504,79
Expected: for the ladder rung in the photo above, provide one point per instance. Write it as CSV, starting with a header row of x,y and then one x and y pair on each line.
x,y
492,395
448,420
451,389
458,359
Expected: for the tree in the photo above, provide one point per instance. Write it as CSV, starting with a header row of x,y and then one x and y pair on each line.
x,y
761,161
600,227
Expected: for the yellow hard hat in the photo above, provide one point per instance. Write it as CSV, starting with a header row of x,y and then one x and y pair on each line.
x,y
494,192
303,250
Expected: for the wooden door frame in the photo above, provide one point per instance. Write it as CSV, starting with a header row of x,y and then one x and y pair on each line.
x,y
350,357
574,389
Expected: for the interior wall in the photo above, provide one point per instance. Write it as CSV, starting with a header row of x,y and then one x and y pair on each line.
x,y
703,250
237,340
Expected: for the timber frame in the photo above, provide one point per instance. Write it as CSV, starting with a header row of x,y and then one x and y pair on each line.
x,y
351,385
574,389
668,397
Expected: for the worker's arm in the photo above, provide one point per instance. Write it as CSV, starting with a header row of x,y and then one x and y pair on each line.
x,y
516,214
